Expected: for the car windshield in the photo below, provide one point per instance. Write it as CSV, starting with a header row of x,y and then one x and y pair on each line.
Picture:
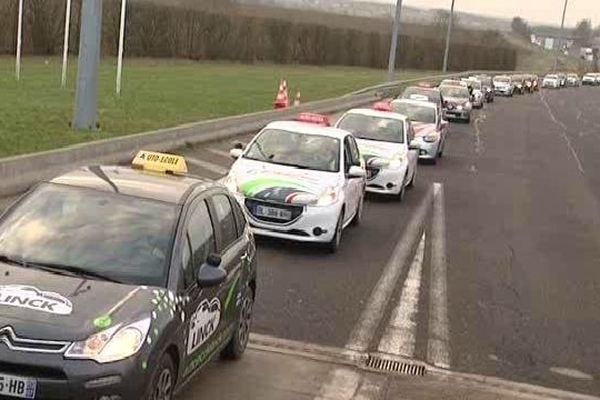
x,y
551,77
122,238
455,91
415,112
415,92
475,84
300,150
502,80
373,127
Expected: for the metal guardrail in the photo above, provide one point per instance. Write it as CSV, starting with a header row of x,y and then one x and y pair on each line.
x,y
18,173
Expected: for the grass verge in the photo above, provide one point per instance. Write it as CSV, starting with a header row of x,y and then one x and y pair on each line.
x,y
36,113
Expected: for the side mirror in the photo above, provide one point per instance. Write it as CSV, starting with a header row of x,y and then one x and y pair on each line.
x,y
209,276
356,172
238,145
236,153
414,145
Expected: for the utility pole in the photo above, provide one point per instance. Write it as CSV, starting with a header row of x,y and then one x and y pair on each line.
x,y
560,38
19,41
121,45
448,35
63,80
394,45
86,95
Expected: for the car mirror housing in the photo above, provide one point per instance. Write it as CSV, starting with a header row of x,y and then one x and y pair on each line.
x,y
211,276
356,172
236,153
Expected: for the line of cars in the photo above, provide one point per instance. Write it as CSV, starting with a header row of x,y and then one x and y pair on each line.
x,y
121,282
561,80
509,85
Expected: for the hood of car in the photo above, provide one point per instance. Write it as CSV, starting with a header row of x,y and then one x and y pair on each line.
x,y
41,305
373,151
423,129
283,184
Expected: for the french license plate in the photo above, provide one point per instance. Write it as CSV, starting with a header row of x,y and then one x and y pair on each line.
x,y
273,212
16,386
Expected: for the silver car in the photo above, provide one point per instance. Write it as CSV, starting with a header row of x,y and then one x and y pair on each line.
x,y
503,86
551,81
458,102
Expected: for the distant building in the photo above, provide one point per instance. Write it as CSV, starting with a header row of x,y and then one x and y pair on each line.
x,y
549,38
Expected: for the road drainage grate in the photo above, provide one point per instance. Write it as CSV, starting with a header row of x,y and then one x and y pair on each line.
x,y
388,365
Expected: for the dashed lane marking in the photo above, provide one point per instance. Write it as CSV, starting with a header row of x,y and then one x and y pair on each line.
x,y
217,169
438,352
400,335
220,153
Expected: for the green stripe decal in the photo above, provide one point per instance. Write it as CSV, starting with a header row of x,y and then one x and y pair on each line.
x,y
253,187
230,294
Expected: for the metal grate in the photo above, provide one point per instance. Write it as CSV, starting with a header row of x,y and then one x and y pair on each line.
x,y
389,365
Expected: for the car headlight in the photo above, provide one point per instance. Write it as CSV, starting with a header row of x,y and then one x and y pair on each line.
x,y
432,137
113,344
468,105
459,108
396,163
519,85
328,197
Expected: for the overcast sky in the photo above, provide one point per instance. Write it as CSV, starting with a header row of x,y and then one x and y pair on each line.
x,y
545,11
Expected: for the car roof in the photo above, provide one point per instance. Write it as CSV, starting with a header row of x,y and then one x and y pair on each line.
x,y
423,88
427,104
135,182
376,113
308,128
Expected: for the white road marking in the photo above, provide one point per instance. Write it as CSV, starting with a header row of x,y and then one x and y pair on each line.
x,y
572,373
400,335
438,352
371,316
219,153
217,169
478,142
564,135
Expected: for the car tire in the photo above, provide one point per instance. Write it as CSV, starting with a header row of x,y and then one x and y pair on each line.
x,y
400,196
413,180
334,245
241,334
162,381
357,219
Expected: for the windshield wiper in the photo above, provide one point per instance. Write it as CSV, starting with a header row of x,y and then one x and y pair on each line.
x,y
5,258
71,270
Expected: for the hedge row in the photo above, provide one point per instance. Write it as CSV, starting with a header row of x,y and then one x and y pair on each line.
x,y
166,31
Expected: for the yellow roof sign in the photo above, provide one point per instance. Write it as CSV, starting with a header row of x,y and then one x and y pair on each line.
x,y
160,162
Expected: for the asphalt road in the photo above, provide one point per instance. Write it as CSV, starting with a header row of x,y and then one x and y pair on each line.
x,y
522,184
519,297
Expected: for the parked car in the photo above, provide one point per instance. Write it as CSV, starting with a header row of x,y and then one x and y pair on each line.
x,y
518,82
503,85
551,81
573,80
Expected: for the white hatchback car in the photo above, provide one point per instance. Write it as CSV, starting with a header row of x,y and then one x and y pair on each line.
x,y
384,139
300,180
430,129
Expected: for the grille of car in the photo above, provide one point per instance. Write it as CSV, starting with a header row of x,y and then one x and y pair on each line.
x,y
296,211
16,343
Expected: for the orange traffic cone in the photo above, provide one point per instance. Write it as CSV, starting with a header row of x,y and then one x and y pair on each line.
x,y
282,100
297,101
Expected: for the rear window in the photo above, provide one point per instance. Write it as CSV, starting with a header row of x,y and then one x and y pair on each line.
x,y
373,128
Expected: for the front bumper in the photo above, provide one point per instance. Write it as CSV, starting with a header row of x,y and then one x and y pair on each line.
x,y
589,83
503,91
304,228
455,114
428,150
58,378
387,181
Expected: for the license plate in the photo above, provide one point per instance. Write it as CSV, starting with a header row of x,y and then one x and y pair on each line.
x,y
273,212
16,386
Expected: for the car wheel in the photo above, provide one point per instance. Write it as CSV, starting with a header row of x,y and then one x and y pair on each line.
x,y
162,383
239,340
358,216
334,245
413,180
400,196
